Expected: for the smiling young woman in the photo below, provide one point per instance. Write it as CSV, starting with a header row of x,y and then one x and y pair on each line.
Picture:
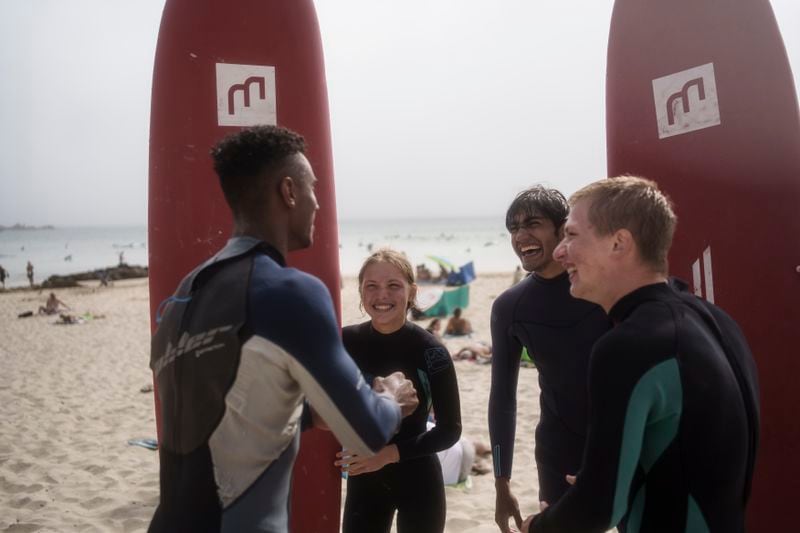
x,y
405,476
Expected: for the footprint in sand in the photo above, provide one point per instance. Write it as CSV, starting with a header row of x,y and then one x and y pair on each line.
x,y
22,528
96,469
27,503
460,524
13,488
94,503
19,466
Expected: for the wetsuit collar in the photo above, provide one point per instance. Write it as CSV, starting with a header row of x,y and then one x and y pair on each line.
x,y
625,305
244,243
380,335
556,279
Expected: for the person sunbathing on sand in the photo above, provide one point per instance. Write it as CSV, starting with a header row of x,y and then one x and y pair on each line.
x,y
465,457
52,305
457,325
435,328
480,352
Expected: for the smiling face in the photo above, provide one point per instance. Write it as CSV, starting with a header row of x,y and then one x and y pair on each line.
x,y
385,295
587,258
533,238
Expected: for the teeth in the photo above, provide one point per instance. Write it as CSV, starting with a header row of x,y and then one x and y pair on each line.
x,y
530,248
382,307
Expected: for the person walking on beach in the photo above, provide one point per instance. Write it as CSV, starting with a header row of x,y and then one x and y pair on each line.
x,y
234,361
405,476
29,270
673,428
3,274
558,332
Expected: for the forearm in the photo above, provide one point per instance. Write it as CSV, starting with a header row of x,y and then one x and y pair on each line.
x,y
446,405
437,439
502,416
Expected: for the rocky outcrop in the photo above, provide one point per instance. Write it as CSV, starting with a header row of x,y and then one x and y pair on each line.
x,y
122,271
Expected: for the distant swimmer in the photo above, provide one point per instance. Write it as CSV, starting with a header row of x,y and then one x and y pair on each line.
x,y
235,397
673,388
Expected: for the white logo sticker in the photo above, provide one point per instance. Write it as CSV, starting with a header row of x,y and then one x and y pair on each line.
x,y
698,279
686,101
246,95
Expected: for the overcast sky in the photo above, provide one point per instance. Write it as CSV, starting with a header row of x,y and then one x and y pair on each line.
x,y
448,104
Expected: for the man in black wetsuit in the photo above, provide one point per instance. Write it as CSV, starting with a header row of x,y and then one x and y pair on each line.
x,y
558,332
243,342
673,394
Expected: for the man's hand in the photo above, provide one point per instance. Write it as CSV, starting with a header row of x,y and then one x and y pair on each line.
x,y
506,506
400,389
526,526
354,464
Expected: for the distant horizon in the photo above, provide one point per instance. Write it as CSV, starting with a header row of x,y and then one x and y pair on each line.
x,y
360,218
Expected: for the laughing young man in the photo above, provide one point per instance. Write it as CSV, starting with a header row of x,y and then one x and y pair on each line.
x,y
673,395
558,332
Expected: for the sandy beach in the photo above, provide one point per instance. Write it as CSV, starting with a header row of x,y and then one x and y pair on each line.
x,y
70,400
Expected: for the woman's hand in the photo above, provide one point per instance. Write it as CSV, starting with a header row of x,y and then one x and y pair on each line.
x,y
354,464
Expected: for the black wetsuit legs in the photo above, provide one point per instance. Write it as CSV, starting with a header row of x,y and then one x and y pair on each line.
x,y
558,452
414,488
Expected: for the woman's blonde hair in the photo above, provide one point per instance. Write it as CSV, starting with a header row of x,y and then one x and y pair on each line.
x,y
394,258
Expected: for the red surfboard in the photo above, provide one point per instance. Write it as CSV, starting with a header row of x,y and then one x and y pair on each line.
x,y
221,66
700,98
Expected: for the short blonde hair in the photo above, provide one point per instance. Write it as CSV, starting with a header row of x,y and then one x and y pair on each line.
x,y
637,205
394,258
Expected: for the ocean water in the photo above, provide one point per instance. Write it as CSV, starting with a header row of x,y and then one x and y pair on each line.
x,y
66,250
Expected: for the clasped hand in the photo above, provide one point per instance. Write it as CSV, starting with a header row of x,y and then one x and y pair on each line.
x,y
354,464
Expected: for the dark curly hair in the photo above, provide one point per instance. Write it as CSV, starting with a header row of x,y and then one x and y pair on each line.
x,y
244,155
539,201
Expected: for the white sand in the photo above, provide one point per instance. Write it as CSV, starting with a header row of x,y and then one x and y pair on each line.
x,y
70,400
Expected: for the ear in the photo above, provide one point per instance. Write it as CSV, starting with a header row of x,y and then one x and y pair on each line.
x,y
287,191
412,294
622,242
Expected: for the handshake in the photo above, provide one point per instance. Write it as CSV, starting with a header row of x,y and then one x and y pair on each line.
x,y
400,389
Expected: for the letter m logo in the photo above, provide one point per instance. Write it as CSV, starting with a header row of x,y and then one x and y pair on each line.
x,y
686,101
246,95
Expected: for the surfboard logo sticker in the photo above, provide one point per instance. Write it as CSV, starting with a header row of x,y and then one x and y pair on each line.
x,y
698,279
246,95
686,101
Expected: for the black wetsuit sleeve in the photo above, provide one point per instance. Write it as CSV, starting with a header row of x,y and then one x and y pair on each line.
x,y
362,420
446,405
627,391
506,352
